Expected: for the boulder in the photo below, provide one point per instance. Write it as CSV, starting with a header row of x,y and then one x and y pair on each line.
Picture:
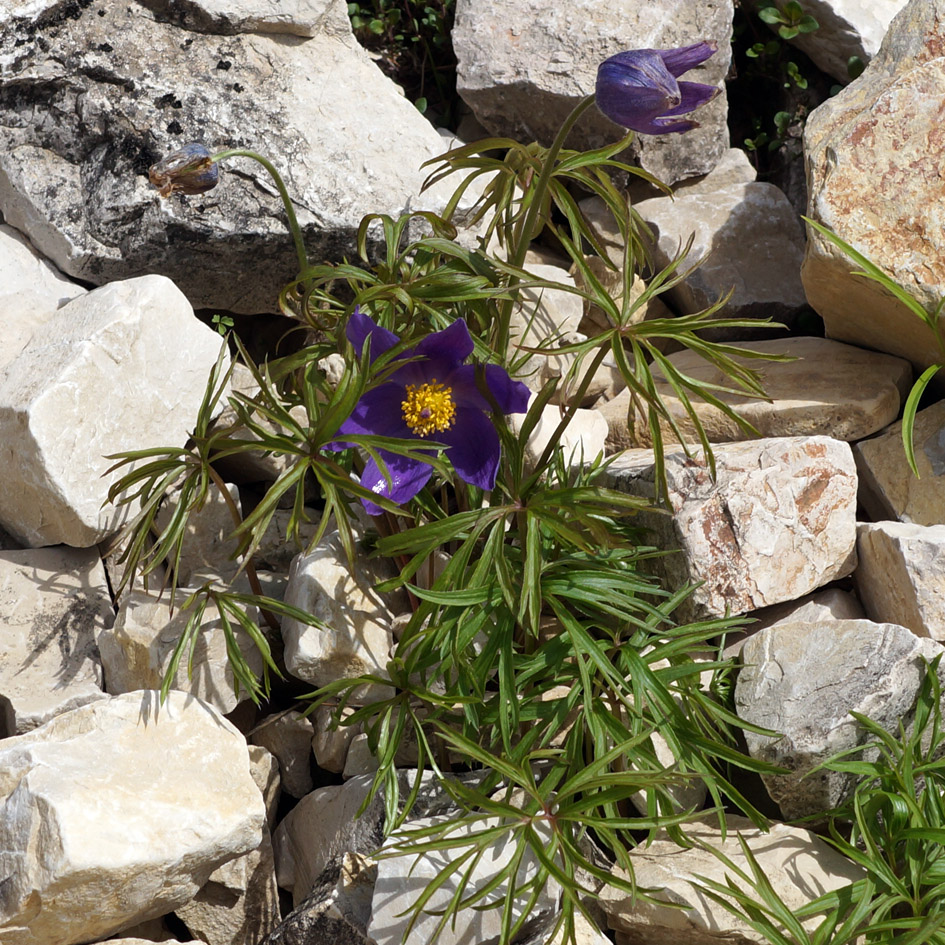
x,y
118,812
900,575
888,488
777,522
122,368
289,737
874,169
765,284
53,602
522,67
829,389
137,650
802,680
292,17
82,127
31,290
799,865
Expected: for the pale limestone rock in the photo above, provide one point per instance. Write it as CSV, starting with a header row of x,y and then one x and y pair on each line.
x,y
208,545
31,290
123,940
264,767
118,812
293,17
764,284
733,169
803,680
359,759
888,489
845,28
289,738
122,368
523,66
240,902
873,157
831,389
900,575
777,522
137,650
53,602
583,440
329,744
354,635
275,553
799,865
401,879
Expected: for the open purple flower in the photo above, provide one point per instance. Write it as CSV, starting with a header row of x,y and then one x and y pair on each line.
x,y
433,396
638,88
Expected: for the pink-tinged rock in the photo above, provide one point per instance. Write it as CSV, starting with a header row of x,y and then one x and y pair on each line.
x,y
777,522
874,158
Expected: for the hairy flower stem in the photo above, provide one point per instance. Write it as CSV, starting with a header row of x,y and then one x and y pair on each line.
x,y
294,228
528,228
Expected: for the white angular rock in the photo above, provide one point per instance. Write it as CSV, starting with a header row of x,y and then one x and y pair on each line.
x,y
764,284
289,738
264,768
799,865
582,442
122,368
522,67
777,522
137,650
293,17
845,28
53,602
31,290
401,879
900,575
888,489
874,173
803,680
354,636
118,812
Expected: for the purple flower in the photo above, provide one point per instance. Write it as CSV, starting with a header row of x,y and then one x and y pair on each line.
x,y
433,396
187,171
638,88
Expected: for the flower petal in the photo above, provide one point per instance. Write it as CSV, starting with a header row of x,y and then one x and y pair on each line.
x,y
407,478
511,396
694,95
438,355
360,326
681,60
379,412
474,448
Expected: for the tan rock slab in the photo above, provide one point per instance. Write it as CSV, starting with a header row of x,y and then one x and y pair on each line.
x,y
777,522
889,490
53,602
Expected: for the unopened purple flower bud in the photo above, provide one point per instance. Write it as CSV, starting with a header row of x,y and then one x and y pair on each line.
x,y
187,171
638,88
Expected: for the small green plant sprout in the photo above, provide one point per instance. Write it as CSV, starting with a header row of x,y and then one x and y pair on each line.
x,y
932,319
222,323
791,20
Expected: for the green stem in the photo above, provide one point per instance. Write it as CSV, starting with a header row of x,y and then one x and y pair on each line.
x,y
529,226
294,228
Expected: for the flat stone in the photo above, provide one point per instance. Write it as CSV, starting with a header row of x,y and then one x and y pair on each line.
x,y
137,650
799,865
873,158
118,812
122,368
292,17
831,389
53,602
777,522
900,576
289,738
888,488
522,67
722,223
803,680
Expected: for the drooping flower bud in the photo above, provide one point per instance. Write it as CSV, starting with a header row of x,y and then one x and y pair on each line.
x,y
638,89
189,170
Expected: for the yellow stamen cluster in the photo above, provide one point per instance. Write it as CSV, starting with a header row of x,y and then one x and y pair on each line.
x,y
428,408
